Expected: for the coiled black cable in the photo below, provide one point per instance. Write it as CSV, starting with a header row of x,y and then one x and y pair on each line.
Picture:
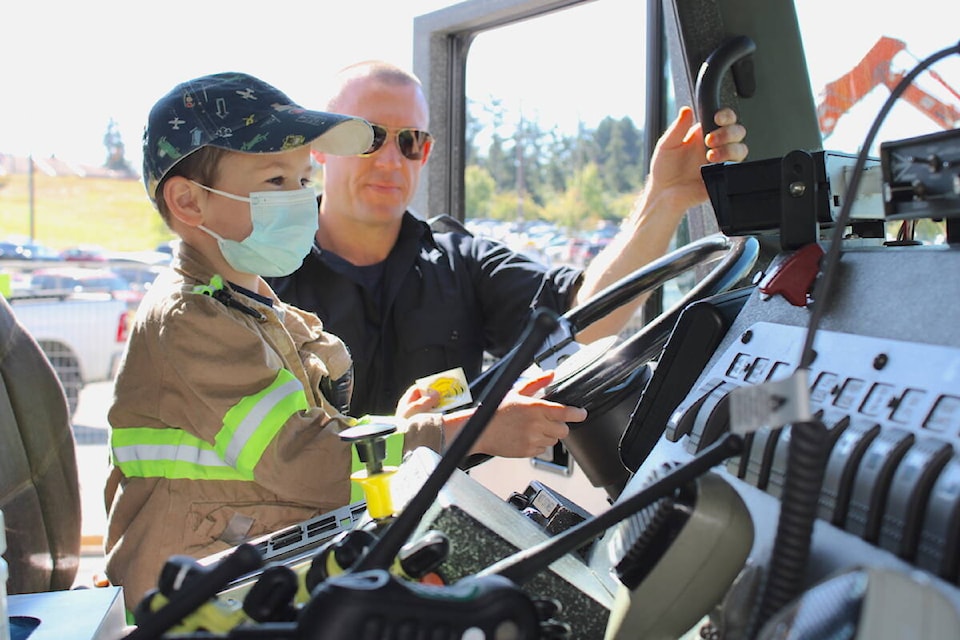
x,y
807,457
808,442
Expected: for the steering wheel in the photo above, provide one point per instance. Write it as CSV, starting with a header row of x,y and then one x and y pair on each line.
x,y
608,386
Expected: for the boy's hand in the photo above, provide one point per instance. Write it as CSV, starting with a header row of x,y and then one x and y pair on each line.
x,y
416,400
522,427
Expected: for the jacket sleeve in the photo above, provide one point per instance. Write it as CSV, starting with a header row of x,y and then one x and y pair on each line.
x,y
424,430
243,389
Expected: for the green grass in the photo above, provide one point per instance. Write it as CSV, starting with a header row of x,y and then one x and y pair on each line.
x,y
70,210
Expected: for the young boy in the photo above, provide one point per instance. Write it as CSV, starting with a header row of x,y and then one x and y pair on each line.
x,y
227,404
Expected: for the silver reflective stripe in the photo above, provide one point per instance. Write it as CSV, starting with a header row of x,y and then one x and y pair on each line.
x,y
252,421
178,453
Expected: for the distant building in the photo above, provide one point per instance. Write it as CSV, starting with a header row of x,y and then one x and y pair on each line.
x,y
53,166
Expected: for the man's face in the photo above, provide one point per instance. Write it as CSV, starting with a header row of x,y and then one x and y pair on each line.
x,y
375,189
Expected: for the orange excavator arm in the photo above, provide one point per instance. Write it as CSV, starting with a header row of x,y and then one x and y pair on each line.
x,y
875,69
943,114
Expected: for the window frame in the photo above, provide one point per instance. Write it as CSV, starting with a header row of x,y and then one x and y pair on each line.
x,y
441,48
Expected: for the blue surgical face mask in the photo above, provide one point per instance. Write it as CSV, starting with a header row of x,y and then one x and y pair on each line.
x,y
284,226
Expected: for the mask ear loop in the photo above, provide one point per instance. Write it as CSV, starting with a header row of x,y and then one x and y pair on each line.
x,y
216,236
221,193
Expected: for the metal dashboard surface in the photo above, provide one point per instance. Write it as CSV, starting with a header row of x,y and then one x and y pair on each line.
x,y
885,382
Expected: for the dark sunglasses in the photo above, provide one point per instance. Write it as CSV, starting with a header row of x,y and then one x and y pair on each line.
x,y
412,142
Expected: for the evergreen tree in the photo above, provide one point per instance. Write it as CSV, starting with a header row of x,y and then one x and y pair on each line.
x,y
561,159
572,180
116,158
532,155
619,151
499,164
616,165
472,127
479,189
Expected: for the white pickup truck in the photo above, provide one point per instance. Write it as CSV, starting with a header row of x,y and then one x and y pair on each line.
x,y
83,335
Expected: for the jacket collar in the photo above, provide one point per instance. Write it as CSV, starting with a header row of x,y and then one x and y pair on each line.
x,y
414,232
192,264
195,270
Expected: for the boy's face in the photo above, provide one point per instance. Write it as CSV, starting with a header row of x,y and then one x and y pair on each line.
x,y
244,173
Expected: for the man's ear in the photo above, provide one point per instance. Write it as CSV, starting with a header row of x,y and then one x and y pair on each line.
x,y
183,200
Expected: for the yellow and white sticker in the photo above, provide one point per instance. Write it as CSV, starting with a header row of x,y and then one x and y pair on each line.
x,y
452,386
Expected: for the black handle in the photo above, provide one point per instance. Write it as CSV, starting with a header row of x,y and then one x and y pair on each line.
x,y
730,52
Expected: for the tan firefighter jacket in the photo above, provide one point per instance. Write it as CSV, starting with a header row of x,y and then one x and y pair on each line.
x,y
219,432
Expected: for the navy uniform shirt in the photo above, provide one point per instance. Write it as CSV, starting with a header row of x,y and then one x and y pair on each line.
x,y
439,300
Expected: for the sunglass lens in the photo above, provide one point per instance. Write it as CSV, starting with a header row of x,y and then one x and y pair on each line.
x,y
411,143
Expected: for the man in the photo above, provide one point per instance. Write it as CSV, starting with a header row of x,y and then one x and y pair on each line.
x,y
409,301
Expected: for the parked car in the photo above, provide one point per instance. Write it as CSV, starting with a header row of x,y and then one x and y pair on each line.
x,y
26,250
169,247
84,253
82,335
67,280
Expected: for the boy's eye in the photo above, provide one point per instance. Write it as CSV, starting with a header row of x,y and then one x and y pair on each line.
x,y
280,181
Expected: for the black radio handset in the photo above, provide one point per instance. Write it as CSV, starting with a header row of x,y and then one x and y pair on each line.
x,y
369,605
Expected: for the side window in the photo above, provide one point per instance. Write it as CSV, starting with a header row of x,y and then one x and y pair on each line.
x,y
555,116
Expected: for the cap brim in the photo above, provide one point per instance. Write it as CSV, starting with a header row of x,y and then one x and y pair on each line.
x,y
347,137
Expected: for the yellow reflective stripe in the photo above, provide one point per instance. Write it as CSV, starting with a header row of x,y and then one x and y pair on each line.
x,y
251,424
248,428
141,452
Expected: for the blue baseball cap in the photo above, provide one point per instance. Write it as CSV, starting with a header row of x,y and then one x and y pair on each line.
x,y
238,112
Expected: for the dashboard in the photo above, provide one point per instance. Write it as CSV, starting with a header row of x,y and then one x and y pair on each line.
x,y
884,386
